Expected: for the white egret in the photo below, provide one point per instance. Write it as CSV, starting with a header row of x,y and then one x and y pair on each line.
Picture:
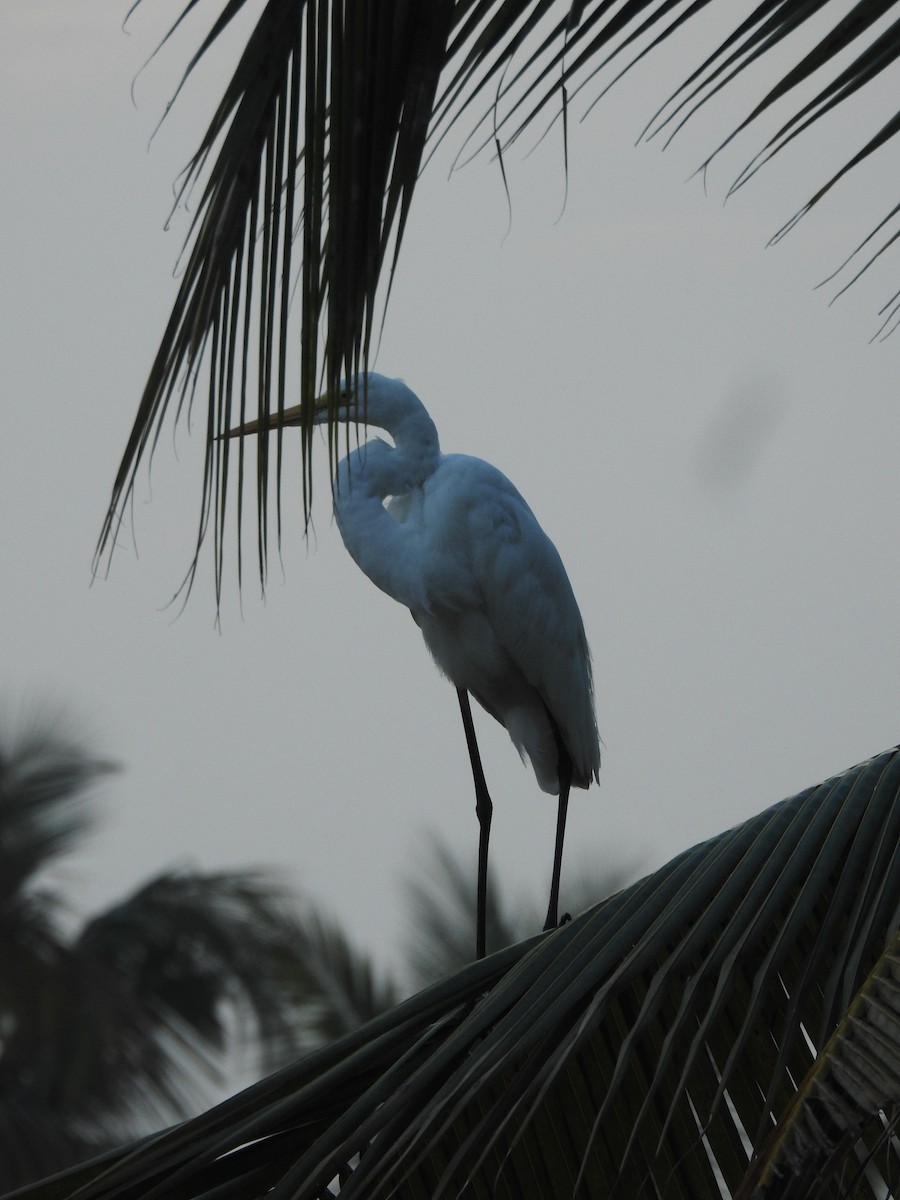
x,y
449,536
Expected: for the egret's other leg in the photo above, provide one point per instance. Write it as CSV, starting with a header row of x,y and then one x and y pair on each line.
x,y
484,810
565,783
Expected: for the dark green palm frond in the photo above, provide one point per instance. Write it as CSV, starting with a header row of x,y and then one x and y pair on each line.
x,y
540,61
315,149
35,1143
309,166
855,31
856,1074
589,885
644,1049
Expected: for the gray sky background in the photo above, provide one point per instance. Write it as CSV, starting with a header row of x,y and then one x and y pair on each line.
x,y
712,448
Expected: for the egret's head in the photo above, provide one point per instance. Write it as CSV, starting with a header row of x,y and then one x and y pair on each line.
x,y
368,398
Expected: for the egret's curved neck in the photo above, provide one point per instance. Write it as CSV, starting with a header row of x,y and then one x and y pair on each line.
x,y
383,547
416,446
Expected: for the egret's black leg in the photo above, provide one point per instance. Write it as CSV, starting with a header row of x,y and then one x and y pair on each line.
x,y
484,810
565,783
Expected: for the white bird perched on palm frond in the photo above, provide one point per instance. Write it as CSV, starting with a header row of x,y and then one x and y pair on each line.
x,y
451,538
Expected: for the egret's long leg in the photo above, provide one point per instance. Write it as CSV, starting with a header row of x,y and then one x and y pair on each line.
x,y
565,783
484,810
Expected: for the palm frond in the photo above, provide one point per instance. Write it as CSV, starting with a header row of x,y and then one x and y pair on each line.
x,y
316,144
35,1142
645,1049
308,168
856,1075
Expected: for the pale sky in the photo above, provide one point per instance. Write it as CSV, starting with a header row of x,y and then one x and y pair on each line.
x,y
711,446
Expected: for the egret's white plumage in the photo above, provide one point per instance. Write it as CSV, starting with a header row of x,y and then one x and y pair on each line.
x,y
451,538
458,545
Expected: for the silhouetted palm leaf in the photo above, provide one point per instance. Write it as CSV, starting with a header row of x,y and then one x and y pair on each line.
x,y
308,169
641,1050
856,1074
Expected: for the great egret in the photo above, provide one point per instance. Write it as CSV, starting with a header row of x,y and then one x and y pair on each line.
x,y
451,538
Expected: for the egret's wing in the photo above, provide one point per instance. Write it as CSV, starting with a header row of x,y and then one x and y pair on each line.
x,y
528,599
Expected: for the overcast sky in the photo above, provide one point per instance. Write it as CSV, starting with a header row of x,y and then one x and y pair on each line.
x,y
712,448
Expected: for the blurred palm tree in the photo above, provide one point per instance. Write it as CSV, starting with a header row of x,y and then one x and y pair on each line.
x,y
133,1020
